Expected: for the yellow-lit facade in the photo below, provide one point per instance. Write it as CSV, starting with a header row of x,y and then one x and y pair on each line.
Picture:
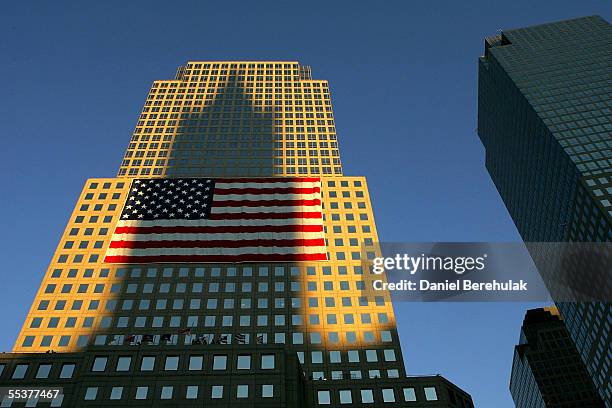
x,y
229,119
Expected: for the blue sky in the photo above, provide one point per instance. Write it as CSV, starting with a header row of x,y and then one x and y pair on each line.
x,y
403,78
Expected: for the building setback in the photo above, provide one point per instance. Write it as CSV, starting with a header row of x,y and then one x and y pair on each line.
x,y
544,117
224,265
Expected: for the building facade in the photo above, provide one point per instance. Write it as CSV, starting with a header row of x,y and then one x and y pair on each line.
x,y
115,325
547,370
544,118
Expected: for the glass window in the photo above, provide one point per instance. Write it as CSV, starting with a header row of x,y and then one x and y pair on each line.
x,y
67,371
409,394
323,397
57,402
267,362
346,397
267,391
196,363
388,395
91,393
43,371
242,391
99,364
141,393
172,363
123,363
431,394
389,355
116,393
219,362
244,362
191,392
166,392
216,392
148,363
367,396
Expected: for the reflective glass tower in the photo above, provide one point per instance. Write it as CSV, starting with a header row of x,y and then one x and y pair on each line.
x,y
544,118
292,331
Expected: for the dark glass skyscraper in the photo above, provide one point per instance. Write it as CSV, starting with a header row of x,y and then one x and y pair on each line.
x,y
547,370
544,118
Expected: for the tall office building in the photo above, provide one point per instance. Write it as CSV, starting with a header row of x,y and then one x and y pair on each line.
x,y
547,370
224,265
545,121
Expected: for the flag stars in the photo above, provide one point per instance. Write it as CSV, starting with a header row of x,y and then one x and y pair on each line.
x,y
169,198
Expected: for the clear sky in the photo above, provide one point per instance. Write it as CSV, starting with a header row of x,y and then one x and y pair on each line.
x,y
74,76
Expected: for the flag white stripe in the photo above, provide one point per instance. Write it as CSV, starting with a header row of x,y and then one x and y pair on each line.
x,y
273,184
267,209
215,251
218,223
218,236
264,197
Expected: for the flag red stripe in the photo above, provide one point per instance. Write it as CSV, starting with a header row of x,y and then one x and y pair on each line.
x,y
216,258
265,203
268,180
264,216
219,243
251,190
219,230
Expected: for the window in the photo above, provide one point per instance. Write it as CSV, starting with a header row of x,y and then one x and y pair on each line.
x,y
123,363
20,371
57,402
91,393
191,392
244,362
172,363
148,363
323,397
141,393
409,394
267,391
99,364
367,396
67,371
388,395
116,393
346,397
242,391
219,362
431,394
43,371
196,363
389,355
166,392
28,341
216,392
267,362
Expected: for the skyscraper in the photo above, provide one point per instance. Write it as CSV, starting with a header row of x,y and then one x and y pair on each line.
x,y
547,370
544,118
224,265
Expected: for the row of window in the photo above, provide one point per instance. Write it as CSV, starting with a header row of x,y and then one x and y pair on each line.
x,y
195,363
367,395
349,337
166,392
214,272
245,303
211,321
212,287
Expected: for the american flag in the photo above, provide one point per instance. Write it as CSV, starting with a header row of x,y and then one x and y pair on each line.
x,y
220,220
